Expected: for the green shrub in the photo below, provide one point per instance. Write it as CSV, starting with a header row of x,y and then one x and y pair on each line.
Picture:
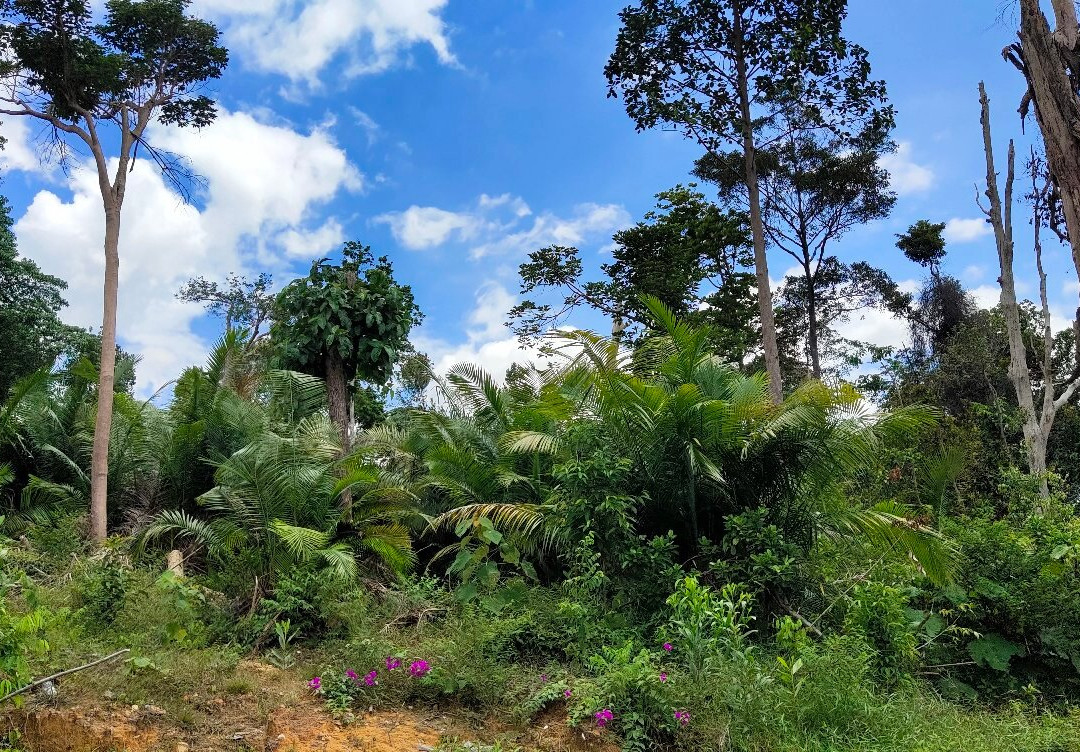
x,y
877,614
100,589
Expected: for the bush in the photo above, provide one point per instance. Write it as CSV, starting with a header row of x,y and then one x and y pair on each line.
x,y
100,590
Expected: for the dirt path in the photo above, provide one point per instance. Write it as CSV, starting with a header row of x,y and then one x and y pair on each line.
x,y
275,717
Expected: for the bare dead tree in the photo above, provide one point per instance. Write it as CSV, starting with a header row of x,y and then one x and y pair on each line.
x,y
1036,422
1050,62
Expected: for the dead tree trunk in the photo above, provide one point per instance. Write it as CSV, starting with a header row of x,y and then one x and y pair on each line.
x,y
1036,422
1050,64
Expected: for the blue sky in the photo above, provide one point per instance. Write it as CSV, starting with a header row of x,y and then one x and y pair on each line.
x,y
457,136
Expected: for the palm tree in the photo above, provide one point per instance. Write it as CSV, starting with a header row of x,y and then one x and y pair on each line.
x,y
708,442
277,498
703,441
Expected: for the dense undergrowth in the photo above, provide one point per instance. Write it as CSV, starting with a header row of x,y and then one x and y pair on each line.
x,y
641,543
706,671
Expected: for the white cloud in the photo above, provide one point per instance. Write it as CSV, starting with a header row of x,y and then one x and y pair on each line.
x,y
19,152
301,38
420,227
907,177
488,342
959,230
587,221
974,272
367,123
497,226
251,206
516,203
986,296
312,244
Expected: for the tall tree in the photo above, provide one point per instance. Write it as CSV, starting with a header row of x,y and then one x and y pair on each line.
x,y
243,303
687,253
817,304
924,243
1049,59
146,62
346,323
721,71
814,186
1036,423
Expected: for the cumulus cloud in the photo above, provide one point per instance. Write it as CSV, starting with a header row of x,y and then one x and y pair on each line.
x,y
420,227
20,152
254,214
986,296
906,175
488,342
879,327
301,38
959,230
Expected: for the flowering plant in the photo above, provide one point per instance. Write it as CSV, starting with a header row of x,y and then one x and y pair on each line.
x,y
603,716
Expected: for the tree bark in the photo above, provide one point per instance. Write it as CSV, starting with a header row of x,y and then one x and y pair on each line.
x,y
757,228
337,399
812,324
1036,423
99,459
1049,58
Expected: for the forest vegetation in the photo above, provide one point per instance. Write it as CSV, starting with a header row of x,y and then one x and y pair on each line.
x,y
721,525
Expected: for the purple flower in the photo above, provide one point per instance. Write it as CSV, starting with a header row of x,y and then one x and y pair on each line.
x,y
392,663
566,693
682,716
668,647
351,674
369,678
543,678
419,668
663,676
315,683
602,717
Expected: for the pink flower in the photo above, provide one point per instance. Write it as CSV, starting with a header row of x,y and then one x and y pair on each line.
x,y
566,693
668,647
543,678
369,678
351,674
315,683
602,717
419,668
682,716
663,676
392,663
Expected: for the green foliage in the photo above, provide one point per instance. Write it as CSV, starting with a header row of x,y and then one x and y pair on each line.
x,y
924,243
20,635
141,48
627,682
686,252
705,625
101,590
877,615
354,313
1017,602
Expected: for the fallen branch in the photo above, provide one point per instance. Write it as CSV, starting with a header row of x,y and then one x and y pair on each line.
x,y
39,682
802,619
